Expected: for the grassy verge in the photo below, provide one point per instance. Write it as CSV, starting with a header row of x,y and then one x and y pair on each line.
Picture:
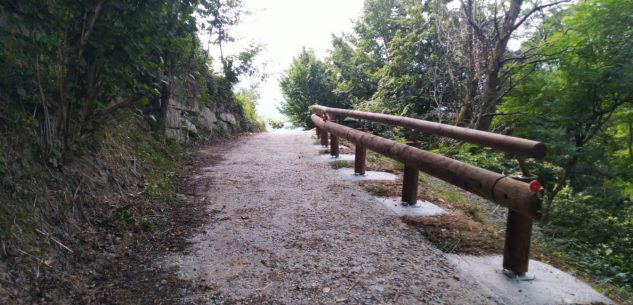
x,y
84,233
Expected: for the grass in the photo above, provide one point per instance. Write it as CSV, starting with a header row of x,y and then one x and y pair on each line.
x,y
341,164
377,190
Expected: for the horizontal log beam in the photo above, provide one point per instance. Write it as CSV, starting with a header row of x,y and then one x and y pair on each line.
x,y
517,146
498,188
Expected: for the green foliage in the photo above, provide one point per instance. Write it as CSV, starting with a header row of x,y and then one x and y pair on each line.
x,y
394,62
377,190
123,214
69,66
247,102
568,86
579,103
307,82
340,164
480,157
276,123
72,63
602,244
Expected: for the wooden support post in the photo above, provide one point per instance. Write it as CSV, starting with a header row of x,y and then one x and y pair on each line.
x,y
324,137
360,157
516,251
334,148
318,132
410,181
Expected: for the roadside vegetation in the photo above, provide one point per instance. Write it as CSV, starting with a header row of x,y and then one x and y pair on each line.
x,y
554,71
89,178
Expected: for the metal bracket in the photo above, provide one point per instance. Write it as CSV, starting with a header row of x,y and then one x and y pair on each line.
x,y
519,277
524,170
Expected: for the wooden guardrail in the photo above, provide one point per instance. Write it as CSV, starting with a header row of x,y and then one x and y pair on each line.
x,y
518,146
518,194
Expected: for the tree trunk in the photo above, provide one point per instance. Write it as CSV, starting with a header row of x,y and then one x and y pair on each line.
x,y
488,100
492,87
469,96
165,93
470,87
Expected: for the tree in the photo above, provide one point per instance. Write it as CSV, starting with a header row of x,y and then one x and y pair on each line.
x,y
218,17
74,63
413,79
355,80
69,66
392,62
580,105
570,100
495,42
308,81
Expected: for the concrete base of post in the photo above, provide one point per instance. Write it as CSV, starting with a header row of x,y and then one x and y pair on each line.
x,y
523,277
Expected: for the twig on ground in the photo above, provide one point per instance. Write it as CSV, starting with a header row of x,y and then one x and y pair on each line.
x,y
455,246
59,243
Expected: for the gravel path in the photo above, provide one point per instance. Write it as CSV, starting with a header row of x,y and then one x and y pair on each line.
x,y
283,228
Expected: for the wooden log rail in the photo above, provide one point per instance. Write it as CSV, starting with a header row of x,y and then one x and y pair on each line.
x,y
516,146
519,196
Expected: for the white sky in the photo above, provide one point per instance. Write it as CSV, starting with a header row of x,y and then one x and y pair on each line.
x,y
284,27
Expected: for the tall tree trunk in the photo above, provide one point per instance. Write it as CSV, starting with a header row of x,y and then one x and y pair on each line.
x,y
166,92
470,87
488,100
492,87
469,96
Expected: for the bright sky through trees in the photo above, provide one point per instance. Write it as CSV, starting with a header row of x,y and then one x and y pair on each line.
x,y
284,27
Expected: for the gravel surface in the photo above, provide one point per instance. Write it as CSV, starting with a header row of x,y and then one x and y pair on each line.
x,y
283,228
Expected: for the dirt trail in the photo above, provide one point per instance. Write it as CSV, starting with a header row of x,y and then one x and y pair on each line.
x,y
283,228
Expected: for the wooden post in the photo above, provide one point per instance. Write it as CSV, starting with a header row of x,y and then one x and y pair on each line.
x,y
360,157
516,249
410,181
334,149
318,132
324,137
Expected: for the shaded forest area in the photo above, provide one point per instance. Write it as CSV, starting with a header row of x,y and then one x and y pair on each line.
x,y
88,171
560,72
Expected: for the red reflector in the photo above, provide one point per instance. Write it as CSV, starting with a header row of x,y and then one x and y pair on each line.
x,y
535,186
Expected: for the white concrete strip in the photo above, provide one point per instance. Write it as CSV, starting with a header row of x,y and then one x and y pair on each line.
x,y
421,208
550,286
328,158
348,173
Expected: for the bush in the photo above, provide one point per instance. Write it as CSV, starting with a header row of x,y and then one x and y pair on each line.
x,y
595,233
